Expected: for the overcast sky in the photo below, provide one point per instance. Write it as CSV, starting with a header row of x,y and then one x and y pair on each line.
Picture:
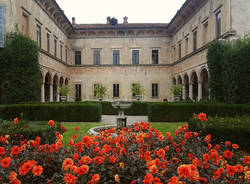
x,y
137,11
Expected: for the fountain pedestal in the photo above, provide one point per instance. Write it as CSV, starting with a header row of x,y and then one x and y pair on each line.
x,y
121,121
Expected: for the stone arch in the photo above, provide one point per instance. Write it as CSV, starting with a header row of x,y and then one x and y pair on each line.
x,y
203,78
140,33
186,85
61,81
179,80
66,81
47,84
101,33
55,87
151,32
131,33
121,33
194,82
92,34
111,33
174,81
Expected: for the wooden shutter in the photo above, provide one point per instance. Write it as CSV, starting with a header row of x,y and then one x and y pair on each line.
x,y
1,27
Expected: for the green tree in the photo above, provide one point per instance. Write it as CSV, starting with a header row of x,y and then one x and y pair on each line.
x,y
19,71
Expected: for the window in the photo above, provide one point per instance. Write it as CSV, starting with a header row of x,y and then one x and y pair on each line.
x,y
133,94
179,50
135,57
78,92
116,57
154,90
66,55
55,47
25,24
78,57
38,35
48,42
1,27
155,57
97,57
95,87
194,41
116,90
205,28
218,24
186,46
61,52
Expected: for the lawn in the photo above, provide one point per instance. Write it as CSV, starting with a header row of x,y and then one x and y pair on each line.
x,y
85,126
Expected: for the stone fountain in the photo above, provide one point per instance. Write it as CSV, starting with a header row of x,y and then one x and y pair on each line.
x,y
121,121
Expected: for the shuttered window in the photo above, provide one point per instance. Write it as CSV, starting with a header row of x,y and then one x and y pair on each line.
x,y
96,57
1,27
135,57
116,57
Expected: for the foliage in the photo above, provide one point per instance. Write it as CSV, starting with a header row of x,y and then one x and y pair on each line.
x,y
64,90
29,130
68,112
176,90
139,155
170,112
19,71
137,89
229,70
236,129
100,91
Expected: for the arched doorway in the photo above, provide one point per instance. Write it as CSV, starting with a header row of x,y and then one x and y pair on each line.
x,y
66,81
194,81
174,81
47,87
61,81
186,83
55,88
204,80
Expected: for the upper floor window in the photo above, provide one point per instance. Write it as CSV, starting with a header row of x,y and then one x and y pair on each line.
x,y
25,24
194,40
48,42
218,24
66,55
116,57
1,27
78,57
155,90
61,52
135,57
97,57
38,35
116,91
179,51
78,94
155,56
186,46
55,47
205,32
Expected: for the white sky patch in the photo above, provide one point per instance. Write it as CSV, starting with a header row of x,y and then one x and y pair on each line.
x,y
137,11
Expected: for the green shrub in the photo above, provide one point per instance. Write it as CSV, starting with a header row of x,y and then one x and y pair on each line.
x,y
67,112
29,130
236,130
176,112
20,71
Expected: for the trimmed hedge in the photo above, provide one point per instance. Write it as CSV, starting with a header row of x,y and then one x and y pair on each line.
x,y
69,112
30,130
176,112
236,130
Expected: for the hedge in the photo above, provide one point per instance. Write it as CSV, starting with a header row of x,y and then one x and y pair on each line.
x,y
68,112
176,112
236,130
29,130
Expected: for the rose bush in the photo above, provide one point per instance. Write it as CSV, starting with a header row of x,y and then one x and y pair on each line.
x,y
137,155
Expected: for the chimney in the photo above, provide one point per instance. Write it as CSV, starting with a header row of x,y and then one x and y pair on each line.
x,y
73,20
125,20
108,19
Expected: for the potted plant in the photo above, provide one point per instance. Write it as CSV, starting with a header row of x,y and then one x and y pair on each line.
x,y
64,92
176,91
137,90
100,91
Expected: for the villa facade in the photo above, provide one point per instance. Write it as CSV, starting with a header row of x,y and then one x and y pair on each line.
x,y
118,55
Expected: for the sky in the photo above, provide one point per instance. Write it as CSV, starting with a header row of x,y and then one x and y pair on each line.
x,y
137,11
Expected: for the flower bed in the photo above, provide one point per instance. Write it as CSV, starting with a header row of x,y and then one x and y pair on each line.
x,y
140,154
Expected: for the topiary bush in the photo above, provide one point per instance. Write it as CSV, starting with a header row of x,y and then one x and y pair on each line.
x,y
19,71
67,112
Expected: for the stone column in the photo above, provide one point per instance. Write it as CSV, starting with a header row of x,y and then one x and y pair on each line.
x,y
57,94
183,92
191,91
51,93
43,93
199,90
